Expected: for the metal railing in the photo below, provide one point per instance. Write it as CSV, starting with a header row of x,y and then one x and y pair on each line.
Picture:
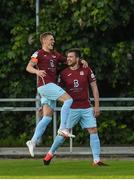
x,y
37,105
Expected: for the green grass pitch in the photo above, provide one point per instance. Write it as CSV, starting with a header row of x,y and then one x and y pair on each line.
x,y
62,168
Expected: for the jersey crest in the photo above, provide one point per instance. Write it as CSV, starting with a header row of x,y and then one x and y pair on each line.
x,y
81,73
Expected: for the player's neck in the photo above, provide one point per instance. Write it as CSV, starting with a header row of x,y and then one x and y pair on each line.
x,y
46,49
76,66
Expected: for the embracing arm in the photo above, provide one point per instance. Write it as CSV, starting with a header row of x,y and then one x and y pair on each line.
x,y
83,63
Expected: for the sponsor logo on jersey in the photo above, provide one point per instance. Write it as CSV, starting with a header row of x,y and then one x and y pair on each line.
x,y
81,73
76,83
52,63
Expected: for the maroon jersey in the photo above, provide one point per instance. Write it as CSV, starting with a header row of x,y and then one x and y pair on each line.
x,y
47,61
77,84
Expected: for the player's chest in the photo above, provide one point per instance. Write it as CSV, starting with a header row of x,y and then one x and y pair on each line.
x,y
75,79
48,60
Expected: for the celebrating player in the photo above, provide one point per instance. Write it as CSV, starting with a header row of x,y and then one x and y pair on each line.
x,y
76,80
43,63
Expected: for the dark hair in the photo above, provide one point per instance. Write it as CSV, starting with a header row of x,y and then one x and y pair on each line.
x,y
76,51
45,34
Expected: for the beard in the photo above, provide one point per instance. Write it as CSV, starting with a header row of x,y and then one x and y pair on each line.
x,y
72,64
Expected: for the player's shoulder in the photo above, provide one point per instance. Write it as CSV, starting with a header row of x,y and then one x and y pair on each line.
x,y
91,73
56,53
87,69
35,53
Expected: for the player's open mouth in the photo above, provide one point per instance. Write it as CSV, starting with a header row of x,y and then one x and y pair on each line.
x,y
52,44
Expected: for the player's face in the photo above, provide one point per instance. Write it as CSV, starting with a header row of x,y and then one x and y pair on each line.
x,y
71,59
48,42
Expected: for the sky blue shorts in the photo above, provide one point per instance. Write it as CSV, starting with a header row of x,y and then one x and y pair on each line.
x,y
50,93
83,116
50,103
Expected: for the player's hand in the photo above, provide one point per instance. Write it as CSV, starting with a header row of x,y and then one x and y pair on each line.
x,y
84,63
96,111
41,73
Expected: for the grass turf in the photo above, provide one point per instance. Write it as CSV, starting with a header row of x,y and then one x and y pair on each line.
x,y
60,168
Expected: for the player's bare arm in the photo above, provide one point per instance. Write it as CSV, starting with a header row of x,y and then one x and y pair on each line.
x,y
31,69
96,98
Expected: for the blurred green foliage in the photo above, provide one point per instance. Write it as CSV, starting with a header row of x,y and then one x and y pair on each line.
x,y
103,30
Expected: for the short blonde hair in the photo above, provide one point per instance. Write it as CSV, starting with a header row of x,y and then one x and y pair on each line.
x,y
44,35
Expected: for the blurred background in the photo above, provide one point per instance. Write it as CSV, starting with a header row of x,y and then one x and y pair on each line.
x,y
103,29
